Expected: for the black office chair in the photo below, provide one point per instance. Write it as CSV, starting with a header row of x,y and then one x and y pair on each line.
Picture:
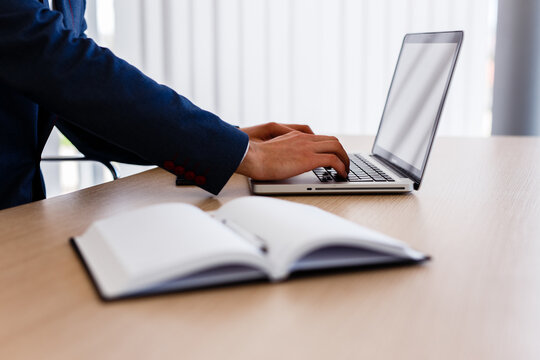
x,y
107,164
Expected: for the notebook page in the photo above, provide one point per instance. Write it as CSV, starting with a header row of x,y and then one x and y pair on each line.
x,y
291,229
160,242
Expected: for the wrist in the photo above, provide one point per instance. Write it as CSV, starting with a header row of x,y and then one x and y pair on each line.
x,y
249,165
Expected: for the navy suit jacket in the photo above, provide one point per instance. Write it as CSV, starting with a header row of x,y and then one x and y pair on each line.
x,y
52,74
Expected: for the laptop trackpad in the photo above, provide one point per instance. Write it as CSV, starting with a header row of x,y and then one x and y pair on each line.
x,y
305,178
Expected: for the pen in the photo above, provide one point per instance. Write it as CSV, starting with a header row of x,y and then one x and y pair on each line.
x,y
254,239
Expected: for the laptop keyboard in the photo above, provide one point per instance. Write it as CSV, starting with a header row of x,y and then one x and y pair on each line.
x,y
361,170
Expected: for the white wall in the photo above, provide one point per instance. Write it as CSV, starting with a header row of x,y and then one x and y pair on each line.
x,y
327,63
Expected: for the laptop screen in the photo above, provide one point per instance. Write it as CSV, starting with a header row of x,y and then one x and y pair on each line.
x,y
415,100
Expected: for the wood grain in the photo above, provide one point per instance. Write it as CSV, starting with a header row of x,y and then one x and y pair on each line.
x,y
477,213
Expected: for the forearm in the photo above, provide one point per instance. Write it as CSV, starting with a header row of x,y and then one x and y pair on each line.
x,y
89,86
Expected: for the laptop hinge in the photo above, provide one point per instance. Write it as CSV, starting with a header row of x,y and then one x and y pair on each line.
x,y
397,170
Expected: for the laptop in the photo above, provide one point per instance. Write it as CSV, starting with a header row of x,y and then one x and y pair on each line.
x,y
406,132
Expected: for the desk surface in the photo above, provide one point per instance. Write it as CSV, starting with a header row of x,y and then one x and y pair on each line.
x,y
477,214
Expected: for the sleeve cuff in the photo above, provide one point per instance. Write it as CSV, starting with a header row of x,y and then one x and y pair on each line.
x,y
245,153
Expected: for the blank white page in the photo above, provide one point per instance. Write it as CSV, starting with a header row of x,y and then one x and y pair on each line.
x,y
290,229
159,242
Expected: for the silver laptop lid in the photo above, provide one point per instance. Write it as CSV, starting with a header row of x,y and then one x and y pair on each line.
x,y
415,101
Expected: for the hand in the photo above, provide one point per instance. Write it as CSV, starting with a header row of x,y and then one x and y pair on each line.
x,y
291,154
271,130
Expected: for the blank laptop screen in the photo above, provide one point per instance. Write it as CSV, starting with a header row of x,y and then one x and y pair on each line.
x,y
415,100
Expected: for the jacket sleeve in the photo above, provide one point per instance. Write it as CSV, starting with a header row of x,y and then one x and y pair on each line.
x,y
96,91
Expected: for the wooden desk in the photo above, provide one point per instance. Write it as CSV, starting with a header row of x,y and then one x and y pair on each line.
x,y
477,214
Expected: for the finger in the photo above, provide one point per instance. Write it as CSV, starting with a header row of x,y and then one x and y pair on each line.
x,y
332,160
333,146
266,131
276,130
298,127
324,138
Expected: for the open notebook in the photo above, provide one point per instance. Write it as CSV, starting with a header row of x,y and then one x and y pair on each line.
x,y
176,246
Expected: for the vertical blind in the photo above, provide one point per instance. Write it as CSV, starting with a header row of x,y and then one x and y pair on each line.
x,y
327,63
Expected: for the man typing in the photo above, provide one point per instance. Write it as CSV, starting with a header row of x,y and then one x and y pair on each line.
x,y
51,74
